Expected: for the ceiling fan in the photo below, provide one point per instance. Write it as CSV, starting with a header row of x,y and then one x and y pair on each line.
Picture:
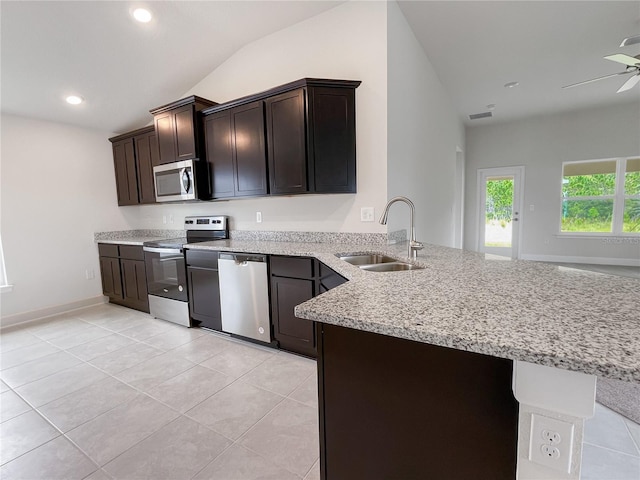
x,y
633,68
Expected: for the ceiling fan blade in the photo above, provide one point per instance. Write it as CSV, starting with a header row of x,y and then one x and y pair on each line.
x,y
630,41
624,59
630,83
595,79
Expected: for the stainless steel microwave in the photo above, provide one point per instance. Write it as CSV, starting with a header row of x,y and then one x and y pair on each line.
x,y
177,181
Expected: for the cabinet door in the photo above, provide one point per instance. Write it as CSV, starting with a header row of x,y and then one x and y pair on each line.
x,y
249,155
111,280
134,281
165,130
185,133
293,334
204,297
219,151
286,143
146,149
125,167
332,139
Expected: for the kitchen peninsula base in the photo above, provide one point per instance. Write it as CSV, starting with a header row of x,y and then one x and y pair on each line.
x,y
395,408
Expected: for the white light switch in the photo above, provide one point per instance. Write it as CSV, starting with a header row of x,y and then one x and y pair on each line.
x,y
258,217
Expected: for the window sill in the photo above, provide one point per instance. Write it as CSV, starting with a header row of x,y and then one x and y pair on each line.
x,y
6,288
632,238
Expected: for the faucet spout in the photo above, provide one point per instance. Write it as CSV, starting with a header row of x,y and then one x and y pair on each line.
x,y
414,245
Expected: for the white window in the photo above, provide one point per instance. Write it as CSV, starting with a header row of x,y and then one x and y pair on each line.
x,y
601,196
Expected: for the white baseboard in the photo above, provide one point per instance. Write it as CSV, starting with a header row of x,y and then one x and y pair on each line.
x,y
26,317
625,262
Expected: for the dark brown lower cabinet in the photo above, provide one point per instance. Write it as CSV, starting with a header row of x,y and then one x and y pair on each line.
x,y
134,284
123,275
204,289
111,277
295,280
293,334
392,408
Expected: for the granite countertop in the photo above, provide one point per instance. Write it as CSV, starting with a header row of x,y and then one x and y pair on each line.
x,y
131,240
520,310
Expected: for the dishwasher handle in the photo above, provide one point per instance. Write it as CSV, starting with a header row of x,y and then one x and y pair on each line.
x,y
242,259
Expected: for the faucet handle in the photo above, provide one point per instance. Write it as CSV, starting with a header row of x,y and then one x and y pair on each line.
x,y
415,245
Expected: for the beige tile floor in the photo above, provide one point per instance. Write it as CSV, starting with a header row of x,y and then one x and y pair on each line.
x,y
110,393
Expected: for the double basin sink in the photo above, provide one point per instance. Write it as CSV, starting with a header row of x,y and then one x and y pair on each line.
x,y
374,262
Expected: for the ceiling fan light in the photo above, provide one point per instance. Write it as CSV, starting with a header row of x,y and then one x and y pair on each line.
x,y
630,41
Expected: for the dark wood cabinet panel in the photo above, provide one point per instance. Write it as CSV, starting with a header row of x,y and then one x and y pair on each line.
x,y
178,129
295,280
204,297
304,132
395,408
219,151
133,156
286,142
147,155
134,283
125,169
123,275
111,277
166,137
294,334
332,139
249,155
185,132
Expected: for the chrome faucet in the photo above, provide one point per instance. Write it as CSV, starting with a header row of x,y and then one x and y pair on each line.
x,y
414,245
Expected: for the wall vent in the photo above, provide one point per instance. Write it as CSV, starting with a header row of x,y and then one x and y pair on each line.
x,y
476,116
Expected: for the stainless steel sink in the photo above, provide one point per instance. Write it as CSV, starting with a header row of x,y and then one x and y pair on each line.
x,y
368,259
390,267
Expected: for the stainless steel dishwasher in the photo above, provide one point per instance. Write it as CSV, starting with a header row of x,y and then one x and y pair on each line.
x,y
244,295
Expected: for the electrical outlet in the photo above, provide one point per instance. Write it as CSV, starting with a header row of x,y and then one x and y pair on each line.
x,y
551,442
89,274
367,214
170,218
164,219
258,217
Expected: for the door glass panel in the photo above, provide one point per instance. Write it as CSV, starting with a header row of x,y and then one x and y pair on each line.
x,y
498,212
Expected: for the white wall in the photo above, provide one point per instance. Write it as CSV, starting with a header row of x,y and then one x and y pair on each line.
x,y
541,144
423,133
57,189
347,42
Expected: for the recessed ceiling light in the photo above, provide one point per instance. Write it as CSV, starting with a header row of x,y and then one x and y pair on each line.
x,y
511,84
491,106
142,15
74,100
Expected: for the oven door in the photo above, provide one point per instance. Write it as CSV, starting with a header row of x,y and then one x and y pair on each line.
x,y
166,273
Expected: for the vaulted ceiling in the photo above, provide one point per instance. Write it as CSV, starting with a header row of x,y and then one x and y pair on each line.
x,y
122,68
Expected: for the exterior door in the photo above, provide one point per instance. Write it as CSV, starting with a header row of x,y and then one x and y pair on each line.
x,y
499,210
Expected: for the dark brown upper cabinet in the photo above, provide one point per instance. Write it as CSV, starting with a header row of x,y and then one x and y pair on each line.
x,y
178,129
133,155
235,151
146,150
309,134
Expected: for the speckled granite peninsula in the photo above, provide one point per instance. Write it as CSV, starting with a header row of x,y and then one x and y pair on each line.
x,y
520,310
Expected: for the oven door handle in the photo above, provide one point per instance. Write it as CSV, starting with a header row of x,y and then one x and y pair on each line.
x,y
162,250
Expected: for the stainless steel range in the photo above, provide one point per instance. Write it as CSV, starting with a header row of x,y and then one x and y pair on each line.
x,y
166,271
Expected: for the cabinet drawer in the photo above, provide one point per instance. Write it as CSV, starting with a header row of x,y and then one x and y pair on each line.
x,y
202,259
108,250
131,252
295,267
